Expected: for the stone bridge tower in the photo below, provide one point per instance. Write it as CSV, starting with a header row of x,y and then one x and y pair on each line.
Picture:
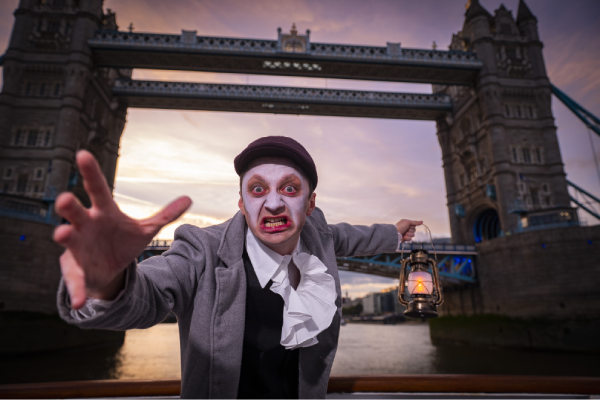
x,y
53,103
499,146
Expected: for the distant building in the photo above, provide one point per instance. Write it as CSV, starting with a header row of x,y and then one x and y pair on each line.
x,y
383,302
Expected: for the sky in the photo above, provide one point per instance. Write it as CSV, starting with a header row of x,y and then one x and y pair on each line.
x,y
370,170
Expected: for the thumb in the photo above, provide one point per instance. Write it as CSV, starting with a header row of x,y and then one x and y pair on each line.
x,y
168,214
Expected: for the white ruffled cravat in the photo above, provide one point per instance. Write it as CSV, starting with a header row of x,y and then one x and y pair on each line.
x,y
310,308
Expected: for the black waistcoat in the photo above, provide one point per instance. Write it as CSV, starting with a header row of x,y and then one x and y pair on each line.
x,y
269,371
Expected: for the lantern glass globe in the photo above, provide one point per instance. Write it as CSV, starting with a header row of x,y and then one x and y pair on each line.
x,y
420,282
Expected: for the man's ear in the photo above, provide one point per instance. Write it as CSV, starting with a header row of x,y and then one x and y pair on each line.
x,y
241,204
311,204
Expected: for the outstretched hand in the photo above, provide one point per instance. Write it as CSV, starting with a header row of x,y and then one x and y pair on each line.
x,y
102,241
407,229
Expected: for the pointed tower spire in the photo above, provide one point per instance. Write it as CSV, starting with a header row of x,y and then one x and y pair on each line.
x,y
524,13
474,9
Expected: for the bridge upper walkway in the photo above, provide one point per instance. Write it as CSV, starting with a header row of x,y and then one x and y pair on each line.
x,y
456,262
256,56
281,100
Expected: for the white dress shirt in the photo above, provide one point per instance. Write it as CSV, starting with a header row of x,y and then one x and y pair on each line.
x,y
309,309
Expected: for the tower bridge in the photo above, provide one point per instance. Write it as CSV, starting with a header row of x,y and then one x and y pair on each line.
x,y
67,86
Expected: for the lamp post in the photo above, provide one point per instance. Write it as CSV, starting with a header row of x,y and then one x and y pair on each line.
x,y
424,287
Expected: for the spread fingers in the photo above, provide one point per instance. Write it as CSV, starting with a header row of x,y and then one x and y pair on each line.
x,y
65,235
68,207
93,179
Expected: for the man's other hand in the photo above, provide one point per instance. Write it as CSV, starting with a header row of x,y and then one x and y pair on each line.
x,y
407,229
102,241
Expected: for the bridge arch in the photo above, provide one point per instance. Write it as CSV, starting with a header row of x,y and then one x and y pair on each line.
x,y
486,225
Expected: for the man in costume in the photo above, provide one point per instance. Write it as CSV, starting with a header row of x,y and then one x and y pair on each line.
x,y
257,298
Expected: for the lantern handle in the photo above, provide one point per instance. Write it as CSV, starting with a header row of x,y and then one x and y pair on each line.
x,y
430,239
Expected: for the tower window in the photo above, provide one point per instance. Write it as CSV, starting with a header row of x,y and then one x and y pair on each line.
x,y
511,53
38,173
17,139
515,155
42,89
32,137
505,29
56,89
9,172
530,111
47,138
534,197
28,89
536,155
526,156
518,111
22,183
53,26
472,170
506,110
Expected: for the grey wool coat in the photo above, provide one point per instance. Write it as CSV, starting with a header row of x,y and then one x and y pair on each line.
x,y
201,278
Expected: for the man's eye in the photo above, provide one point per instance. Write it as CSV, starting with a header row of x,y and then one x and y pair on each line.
x,y
289,189
258,190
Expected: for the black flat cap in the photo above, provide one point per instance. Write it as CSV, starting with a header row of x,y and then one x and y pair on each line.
x,y
278,146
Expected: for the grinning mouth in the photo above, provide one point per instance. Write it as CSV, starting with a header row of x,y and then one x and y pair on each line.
x,y
275,222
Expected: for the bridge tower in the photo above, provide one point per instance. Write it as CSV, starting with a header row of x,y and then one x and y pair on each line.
x,y
499,145
53,103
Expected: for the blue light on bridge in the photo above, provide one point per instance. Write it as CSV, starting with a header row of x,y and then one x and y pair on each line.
x,y
22,238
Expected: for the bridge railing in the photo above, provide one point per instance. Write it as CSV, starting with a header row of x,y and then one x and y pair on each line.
x,y
14,206
276,93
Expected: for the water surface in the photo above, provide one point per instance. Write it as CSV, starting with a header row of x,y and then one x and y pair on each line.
x,y
363,349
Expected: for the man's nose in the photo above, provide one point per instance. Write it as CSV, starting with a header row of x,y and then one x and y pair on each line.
x,y
274,204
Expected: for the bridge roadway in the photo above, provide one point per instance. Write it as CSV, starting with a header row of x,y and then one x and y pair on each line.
x,y
456,262
281,100
254,56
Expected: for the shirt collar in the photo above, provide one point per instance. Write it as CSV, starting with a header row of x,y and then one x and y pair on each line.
x,y
265,261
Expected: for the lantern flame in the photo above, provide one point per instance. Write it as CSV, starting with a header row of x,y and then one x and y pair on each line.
x,y
420,283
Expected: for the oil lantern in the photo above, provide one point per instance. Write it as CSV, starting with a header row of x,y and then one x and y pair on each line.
x,y
424,287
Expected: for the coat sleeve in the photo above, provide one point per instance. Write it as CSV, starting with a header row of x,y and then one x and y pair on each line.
x,y
153,288
361,240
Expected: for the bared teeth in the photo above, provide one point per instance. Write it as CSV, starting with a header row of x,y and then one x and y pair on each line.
x,y
274,222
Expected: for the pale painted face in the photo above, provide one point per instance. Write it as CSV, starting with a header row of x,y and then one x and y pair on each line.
x,y
274,200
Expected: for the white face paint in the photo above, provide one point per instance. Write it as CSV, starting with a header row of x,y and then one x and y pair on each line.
x,y
275,202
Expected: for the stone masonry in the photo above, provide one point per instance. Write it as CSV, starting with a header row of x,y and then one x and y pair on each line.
x,y
499,145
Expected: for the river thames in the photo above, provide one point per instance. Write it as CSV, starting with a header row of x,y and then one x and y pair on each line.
x,y
363,349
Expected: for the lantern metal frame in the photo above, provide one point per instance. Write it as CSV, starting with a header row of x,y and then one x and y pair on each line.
x,y
420,305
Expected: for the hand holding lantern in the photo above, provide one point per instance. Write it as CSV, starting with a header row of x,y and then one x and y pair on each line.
x,y
424,287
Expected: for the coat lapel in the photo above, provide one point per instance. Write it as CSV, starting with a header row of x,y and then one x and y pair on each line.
x,y
316,361
228,319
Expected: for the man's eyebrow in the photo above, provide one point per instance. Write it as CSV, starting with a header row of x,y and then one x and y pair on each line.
x,y
258,178
288,178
